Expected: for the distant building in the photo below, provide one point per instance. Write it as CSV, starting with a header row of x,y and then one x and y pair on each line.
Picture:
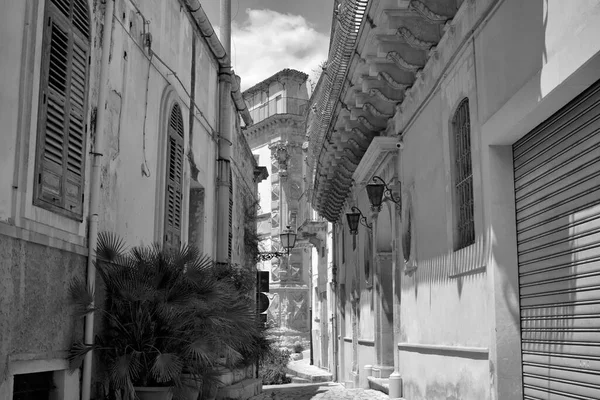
x,y
278,106
158,173
478,276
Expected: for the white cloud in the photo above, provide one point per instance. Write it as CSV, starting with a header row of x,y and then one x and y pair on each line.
x,y
270,41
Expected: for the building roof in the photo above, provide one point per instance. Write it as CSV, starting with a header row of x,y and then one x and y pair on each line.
x,y
284,72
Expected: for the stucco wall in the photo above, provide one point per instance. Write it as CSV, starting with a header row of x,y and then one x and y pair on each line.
x,y
41,251
36,319
443,312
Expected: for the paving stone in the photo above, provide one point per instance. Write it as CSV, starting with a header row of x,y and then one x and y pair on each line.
x,y
326,391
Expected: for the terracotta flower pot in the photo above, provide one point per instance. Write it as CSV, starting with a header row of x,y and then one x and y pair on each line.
x,y
153,393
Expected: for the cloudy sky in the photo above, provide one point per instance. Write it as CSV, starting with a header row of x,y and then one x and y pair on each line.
x,y
270,35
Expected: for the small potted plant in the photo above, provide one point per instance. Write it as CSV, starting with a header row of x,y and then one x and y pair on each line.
x,y
165,321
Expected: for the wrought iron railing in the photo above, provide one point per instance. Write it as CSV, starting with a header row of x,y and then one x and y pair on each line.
x,y
306,213
279,105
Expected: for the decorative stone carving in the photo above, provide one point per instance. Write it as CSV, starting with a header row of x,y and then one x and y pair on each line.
x,y
412,40
370,108
298,311
280,153
367,124
273,310
387,78
360,134
378,93
401,62
424,11
351,153
355,144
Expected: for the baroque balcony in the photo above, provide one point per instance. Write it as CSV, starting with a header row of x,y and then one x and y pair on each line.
x,y
279,105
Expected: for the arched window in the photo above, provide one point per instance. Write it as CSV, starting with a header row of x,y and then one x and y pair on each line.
x,y
61,136
174,179
464,225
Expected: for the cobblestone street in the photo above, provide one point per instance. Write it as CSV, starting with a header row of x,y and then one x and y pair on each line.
x,y
322,391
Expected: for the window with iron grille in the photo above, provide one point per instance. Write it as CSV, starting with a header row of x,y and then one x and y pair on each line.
x,y
37,386
174,179
464,225
61,132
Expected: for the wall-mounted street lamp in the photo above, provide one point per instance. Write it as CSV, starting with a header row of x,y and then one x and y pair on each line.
x,y
354,218
377,191
288,241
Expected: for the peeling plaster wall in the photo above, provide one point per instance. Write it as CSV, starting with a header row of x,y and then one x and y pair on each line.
x,y
245,192
41,251
133,181
36,320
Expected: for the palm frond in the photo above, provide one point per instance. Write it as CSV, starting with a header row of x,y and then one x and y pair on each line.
x,y
77,353
82,297
110,246
166,367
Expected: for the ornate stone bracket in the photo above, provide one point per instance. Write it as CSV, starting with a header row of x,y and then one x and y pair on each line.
x,y
378,93
391,82
370,108
426,13
412,40
367,124
401,62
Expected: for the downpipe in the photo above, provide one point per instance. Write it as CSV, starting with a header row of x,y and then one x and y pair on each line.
x,y
97,153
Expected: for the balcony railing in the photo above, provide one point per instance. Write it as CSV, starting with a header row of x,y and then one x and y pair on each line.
x,y
279,105
305,211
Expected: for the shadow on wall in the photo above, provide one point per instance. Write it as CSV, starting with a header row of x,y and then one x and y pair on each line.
x,y
467,265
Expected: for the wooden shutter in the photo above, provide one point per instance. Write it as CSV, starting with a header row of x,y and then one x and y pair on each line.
x,y
60,160
174,179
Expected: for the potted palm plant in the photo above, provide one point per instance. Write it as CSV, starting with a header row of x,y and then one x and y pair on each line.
x,y
166,319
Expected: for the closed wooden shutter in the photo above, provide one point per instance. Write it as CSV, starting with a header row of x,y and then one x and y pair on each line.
x,y
557,190
60,160
174,179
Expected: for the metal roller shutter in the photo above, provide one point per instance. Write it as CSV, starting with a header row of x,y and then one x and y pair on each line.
x,y
557,191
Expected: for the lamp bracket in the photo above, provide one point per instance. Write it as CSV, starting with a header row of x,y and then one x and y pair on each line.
x,y
363,219
387,193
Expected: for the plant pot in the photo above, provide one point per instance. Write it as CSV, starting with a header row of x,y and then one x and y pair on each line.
x,y
153,393
191,388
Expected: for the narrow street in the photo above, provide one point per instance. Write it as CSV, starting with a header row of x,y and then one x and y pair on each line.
x,y
321,391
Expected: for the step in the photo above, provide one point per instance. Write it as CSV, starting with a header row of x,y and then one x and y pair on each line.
x,y
311,373
242,390
381,384
296,379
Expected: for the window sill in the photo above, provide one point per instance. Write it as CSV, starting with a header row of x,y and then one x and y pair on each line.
x,y
473,271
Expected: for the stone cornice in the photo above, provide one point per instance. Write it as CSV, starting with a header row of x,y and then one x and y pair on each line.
x,y
378,152
291,119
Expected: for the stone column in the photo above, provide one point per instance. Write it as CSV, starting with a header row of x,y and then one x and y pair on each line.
x,y
385,316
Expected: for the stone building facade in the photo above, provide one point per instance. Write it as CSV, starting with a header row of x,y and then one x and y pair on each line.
x,y
124,90
278,107
477,278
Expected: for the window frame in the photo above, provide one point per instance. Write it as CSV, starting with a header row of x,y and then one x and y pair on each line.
x,y
466,178
172,133
52,15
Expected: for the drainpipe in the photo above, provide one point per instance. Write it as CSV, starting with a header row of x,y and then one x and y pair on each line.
x,y
334,322
86,380
225,139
